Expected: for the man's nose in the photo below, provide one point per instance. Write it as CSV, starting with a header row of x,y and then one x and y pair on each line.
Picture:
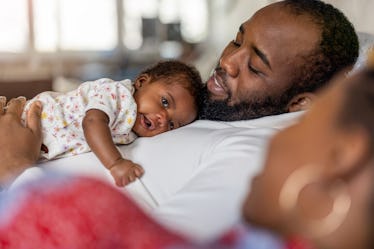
x,y
232,60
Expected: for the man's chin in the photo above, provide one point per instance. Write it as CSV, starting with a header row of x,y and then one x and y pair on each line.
x,y
222,111
218,110
215,107
215,98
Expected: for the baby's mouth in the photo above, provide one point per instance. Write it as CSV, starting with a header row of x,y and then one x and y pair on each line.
x,y
147,123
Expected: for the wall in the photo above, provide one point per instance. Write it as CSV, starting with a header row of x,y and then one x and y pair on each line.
x,y
225,19
360,12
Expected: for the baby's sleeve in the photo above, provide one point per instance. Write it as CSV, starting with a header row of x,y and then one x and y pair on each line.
x,y
115,99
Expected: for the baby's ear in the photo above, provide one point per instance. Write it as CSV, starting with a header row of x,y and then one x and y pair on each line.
x,y
142,80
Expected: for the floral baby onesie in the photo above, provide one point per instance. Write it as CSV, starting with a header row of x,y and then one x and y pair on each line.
x,y
63,114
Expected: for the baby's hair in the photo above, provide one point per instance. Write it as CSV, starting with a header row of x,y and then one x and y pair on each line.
x,y
177,72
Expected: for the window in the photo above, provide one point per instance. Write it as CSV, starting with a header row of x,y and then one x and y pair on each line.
x,y
14,26
190,15
75,25
48,26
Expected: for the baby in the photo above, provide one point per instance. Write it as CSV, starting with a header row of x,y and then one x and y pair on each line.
x,y
102,113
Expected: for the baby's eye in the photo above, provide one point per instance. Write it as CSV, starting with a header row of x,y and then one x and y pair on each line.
x,y
171,125
164,102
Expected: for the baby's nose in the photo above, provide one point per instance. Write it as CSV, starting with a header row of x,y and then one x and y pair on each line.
x,y
162,118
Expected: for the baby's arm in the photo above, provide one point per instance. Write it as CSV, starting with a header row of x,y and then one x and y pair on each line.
x,y
99,138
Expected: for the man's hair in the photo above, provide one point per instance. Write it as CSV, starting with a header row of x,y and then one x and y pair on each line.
x,y
338,47
179,73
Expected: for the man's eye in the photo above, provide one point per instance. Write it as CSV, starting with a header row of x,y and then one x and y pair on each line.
x,y
235,43
164,102
253,70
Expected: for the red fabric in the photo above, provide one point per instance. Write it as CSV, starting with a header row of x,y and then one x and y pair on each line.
x,y
230,238
298,243
82,213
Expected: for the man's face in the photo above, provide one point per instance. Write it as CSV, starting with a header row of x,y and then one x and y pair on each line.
x,y
258,66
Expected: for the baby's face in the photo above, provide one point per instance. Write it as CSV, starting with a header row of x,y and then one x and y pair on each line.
x,y
162,107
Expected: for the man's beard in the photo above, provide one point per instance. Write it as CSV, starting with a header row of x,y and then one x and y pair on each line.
x,y
220,110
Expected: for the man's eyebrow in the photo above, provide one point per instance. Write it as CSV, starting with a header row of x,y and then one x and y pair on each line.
x,y
262,56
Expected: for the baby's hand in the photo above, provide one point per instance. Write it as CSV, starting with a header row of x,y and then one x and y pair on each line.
x,y
124,172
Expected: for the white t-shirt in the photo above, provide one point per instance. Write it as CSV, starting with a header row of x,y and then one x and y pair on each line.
x,y
195,177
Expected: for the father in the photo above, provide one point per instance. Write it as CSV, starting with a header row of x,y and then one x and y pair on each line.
x,y
276,58
196,176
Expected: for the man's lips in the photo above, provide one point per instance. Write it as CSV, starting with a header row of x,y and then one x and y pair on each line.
x,y
216,85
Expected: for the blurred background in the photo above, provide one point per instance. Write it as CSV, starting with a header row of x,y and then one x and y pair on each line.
x,y
57,44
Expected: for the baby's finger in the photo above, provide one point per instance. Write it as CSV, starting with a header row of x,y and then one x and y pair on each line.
x,y
34,119
138,171
120,182
117,179
2,104
15,106
125,180
131,177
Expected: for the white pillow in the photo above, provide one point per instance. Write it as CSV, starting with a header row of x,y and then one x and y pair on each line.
x,y
366,41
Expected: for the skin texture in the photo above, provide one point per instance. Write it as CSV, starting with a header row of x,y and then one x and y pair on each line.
x,y
337,153
160,107
20,145
256,66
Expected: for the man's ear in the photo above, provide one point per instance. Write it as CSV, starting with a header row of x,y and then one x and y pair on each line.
x,y
142,80
301,102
